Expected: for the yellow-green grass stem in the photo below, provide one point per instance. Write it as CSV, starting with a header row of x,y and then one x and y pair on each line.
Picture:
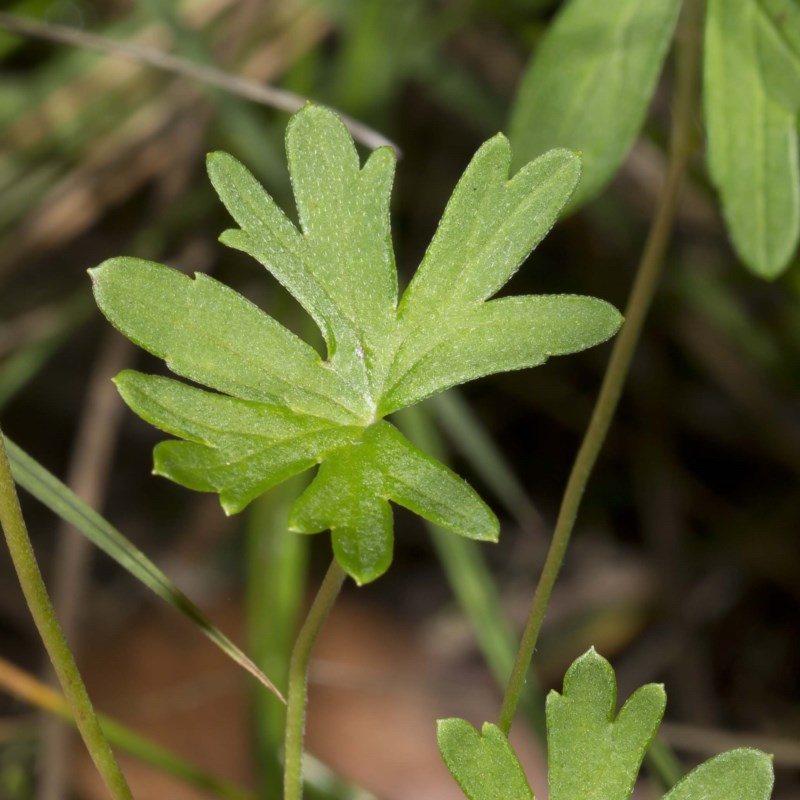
x,y
35,592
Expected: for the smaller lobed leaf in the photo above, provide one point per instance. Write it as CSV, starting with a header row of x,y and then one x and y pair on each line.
x,y
483,764
591,754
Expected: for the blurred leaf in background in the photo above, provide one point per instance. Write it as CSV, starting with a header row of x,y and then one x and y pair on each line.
x,y
682,567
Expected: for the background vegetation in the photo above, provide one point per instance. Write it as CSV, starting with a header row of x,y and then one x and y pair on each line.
x,y
685,566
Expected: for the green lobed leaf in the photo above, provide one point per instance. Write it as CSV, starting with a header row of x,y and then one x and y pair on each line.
x,y
210,334
351,492
340,266
235,447
483,764
752,137
590,753
498,336
590,82
743,774
489,227
278,408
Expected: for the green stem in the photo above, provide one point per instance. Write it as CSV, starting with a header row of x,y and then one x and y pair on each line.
x,y
30,578
647,277
298,680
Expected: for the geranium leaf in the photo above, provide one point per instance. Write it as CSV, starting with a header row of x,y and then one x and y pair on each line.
x,y
238,448
590,753
212,335
498,336
351,492
483,764
277,408
340,265
489,227
743,774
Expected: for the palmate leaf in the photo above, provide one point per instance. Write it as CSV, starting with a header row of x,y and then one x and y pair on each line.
x,y
276,408
591,753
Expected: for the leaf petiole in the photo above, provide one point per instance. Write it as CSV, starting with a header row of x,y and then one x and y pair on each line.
x,y
298,680
35,591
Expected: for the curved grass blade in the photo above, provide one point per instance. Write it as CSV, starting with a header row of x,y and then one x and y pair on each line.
x,y
465,565
46,488
168,62
473,441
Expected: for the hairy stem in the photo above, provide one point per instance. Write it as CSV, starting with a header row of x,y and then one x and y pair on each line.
x,y
30,578
298,680
646,281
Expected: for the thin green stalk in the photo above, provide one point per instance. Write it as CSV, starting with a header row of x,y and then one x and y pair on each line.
x,y
298,680
30,578
647,277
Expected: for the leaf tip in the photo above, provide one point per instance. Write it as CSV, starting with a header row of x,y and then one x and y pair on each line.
x,y
232,505
217,162
493,532
96,273
215,157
